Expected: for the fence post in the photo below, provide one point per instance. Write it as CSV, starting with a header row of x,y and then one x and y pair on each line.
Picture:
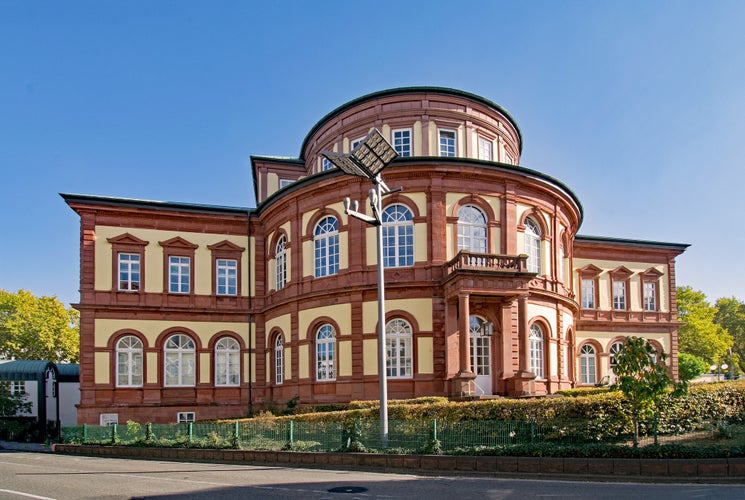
x,y
532,432
191,432
85,433
114,435
654,428
292,432
434,429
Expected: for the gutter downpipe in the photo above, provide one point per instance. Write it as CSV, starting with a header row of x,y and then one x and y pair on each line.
x,y
250,319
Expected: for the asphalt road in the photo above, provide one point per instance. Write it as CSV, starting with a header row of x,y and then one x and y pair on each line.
x,y
42,476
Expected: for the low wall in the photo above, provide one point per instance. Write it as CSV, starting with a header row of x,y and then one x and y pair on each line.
x,y
597,469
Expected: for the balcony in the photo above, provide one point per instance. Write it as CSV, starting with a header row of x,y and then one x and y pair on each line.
x,y
485,262
487,274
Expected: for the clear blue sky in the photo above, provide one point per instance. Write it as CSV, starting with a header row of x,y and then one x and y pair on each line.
x,y
638,106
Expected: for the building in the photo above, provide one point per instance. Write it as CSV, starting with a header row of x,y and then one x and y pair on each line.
x,y
191,311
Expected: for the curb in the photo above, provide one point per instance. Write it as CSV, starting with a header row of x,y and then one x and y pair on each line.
x,y
712,470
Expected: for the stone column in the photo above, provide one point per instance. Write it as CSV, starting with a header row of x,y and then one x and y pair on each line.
x,y
523,383
461,385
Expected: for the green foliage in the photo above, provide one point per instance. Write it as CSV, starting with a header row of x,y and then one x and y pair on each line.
x,y
642,378
730,314
37,328
583,391
690,367
700,335
12,404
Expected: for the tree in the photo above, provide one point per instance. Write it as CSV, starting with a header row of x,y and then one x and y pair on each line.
x,y
37,328
12,403
730,315
690,367
642,376
700,335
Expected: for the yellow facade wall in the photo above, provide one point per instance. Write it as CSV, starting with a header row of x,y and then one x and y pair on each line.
x,y
283,323
546,313
202,267
288,363
425,355
303,361
417,133
151,377
104,328
102,362
345,358
370,356
342,314
421,309
272,183
604,282
268,364
205,368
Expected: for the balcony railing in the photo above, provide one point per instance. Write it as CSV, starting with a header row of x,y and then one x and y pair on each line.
x,y
472,261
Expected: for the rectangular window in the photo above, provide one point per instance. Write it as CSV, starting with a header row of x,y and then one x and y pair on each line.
x,y
447,143
588,294
129,272
18,387
227,276
179,274
650,296
402,142
108,419
485,146
286,182
185,417
356,142
326,165
619,295
508,159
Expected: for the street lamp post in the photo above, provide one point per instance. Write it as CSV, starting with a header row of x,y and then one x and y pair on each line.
x,y
367,160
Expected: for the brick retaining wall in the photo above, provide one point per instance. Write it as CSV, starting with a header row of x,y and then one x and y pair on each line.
x,y
599,469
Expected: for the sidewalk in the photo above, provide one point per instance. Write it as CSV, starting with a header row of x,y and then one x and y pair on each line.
x,y
12,446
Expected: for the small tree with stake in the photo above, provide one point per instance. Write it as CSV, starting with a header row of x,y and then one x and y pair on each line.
x,y
642,376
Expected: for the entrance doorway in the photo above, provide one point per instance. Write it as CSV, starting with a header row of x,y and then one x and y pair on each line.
x,y
480,356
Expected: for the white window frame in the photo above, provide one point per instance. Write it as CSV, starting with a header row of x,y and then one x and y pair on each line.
x,y
472,229
613,350
326,164
533,237
398,236
179,353
480,348
447,142
588,365
279,360
186,417
353,144
285,182
650,296
619,295
129,362
326,354
401,140
588,293
398,342
280,262
326,247
226,276
485,148
18,387
537,345
128,268
227,362
179,274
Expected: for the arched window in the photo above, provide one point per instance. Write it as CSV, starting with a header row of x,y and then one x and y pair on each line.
x,y
180,361
129,362
398,236
326,247
536,350
227,362
472,229
587,365
398,348
615,349
279,361
326,353
533,245
280,256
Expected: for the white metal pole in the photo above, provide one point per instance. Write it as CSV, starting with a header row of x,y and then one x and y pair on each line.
x,y
382,369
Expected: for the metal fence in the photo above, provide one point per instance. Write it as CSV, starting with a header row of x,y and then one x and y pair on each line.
x,y
403,437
